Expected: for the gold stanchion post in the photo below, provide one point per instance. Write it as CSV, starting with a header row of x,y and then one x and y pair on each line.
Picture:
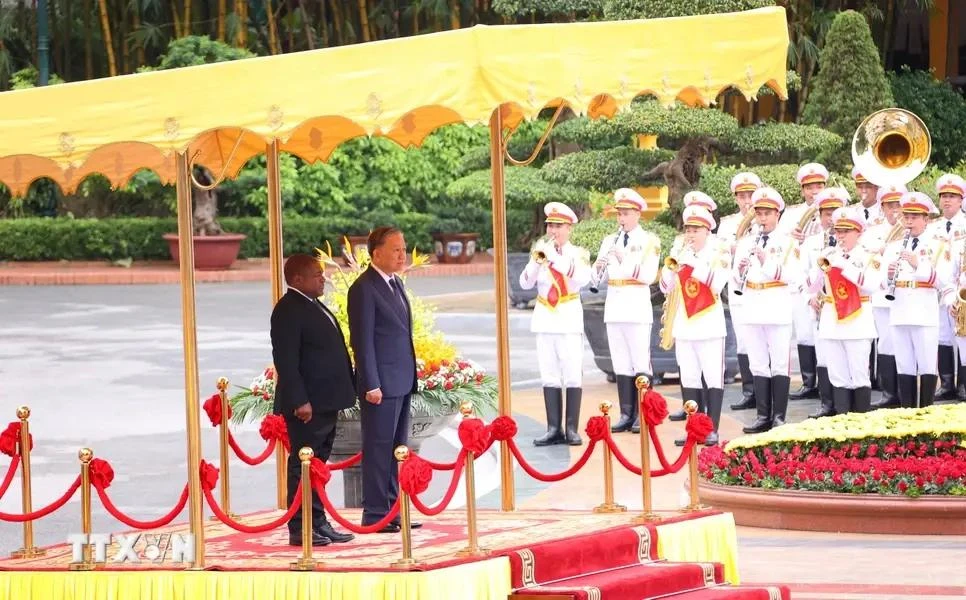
x,y
87,563
402,453
473,547
28,550
691,407
273,179
222,385
647,515
306,563
609,506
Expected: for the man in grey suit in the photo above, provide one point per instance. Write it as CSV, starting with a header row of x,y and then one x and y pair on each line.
x,y
381,335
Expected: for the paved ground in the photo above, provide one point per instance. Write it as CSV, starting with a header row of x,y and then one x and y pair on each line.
x,y
101,367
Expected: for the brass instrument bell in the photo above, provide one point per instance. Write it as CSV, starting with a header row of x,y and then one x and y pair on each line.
x,y
891,145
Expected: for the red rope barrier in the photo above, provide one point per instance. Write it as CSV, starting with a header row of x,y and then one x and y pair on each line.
x,y
349,462
131,522
627,464
282,520
11,471
361,529
459,464
555,476
248,460
43,512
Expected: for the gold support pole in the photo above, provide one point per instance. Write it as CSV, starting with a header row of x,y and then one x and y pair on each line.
x,y
647,515
306,563
609,506
275,251
186,262
473,547
402,453
26,495
223,448
500,275
87,563
691,407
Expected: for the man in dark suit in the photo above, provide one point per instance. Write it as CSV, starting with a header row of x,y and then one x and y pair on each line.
x,y
315,382
380,326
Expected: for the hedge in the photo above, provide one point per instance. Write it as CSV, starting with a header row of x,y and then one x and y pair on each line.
x,y
941,108
772,143
677,123
591,134
657,9
605,170
525,187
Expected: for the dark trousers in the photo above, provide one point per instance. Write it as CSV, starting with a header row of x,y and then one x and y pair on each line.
x,y
384,426
318,434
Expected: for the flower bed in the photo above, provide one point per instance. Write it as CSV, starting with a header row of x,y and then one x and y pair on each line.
x,y
910,452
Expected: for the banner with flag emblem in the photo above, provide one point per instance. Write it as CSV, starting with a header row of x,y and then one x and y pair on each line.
x,y
696,297
845,294
558,289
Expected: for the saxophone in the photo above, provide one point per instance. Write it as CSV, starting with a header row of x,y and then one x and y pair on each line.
x,y
960,305
745,224
671,302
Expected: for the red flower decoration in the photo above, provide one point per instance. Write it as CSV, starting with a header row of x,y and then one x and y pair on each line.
x,y
101,473
212,408
503,428
699,426
597,428
653,408
319,471
415,475
10,438
273,428
209,475
474,436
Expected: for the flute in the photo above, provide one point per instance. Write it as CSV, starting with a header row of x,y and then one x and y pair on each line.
x,y
595,277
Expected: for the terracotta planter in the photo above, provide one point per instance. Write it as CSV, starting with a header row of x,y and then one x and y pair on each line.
x,y
455,248
212,252
834,512
359,243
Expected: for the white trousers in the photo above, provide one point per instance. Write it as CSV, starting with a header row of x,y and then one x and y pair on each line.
x,y
741,335
560,356
630,348
915,349
883,329
946,334
700,357
847,362
821,355
768,349
804,318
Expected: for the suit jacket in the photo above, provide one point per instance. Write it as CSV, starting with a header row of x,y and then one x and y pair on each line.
x,y
381,334
310,356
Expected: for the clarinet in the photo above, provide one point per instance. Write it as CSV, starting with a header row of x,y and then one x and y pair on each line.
x,y
598,273
891,295
744,276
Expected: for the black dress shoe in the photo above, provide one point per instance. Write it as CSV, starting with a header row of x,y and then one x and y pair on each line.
x,y
412,524
295,539
824,411
326,530
678,416
390,528
760,425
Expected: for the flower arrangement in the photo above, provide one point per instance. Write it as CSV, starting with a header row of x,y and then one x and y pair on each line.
x,y
901,451
444,379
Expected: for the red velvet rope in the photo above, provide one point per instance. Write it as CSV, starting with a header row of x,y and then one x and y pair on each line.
x,y
460,463
273,427
349,462
251,460
11,471
282,520
677,466
554,476
361,529
656,443
131,522
43,512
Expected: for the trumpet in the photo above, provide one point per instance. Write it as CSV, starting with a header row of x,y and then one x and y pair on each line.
x,y
672,263
539,253
744,276
596,276
891,295
823,260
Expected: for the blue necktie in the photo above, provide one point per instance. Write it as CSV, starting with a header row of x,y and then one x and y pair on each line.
x,y
397,291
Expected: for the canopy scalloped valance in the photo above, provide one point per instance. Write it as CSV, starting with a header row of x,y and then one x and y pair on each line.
x,y
223,114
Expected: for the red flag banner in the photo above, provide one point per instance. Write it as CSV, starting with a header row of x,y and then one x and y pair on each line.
x,y
558,289
695,295
845,294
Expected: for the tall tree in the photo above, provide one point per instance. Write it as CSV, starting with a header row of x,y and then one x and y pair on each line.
x,y
106,32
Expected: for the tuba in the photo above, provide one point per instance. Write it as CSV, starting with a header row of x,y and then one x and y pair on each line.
x,y
745,224
891,145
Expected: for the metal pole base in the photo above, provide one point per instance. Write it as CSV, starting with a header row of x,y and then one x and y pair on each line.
x,y
610,508
404,563
230,514
32,552
473,552
303,564
81,566
648,517
694,507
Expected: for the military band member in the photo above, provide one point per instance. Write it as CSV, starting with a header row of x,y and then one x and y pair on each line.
x,y
874,240
914,313
951,300
743,185
847,274
812,179
702,270
558,269
868,196
629,259
766,273
950,227
828,201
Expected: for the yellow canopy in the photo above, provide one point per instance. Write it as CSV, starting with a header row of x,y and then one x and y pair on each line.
x,y
403,89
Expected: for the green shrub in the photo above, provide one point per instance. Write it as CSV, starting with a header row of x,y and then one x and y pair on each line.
x,y
605,170
783,143
513,8
941,108
676,124
591,134
657,9
590,234
525,187
850,83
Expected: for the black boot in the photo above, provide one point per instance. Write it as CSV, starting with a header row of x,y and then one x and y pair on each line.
x,y
636,427
842,398
808,364
690,394
627,401
573,416
779,399
553,402
747,385
873,366
825,393
908,390
887,382
681,415
927,390
715,396
862,400
763,404
947,374
961,379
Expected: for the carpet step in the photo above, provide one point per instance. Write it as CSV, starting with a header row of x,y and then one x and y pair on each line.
x,y
729,592
635,582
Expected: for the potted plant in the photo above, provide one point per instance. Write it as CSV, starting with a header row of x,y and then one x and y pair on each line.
x,y
445,379
452,242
